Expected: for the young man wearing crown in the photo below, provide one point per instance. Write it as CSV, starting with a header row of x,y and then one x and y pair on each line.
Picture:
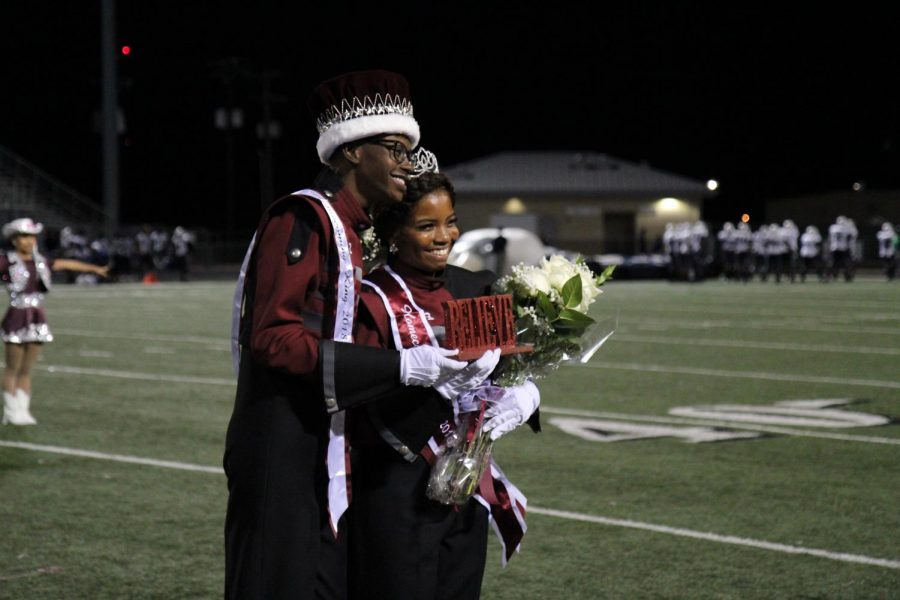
x,y
298,369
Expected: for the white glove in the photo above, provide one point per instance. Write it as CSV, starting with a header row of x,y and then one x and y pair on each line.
x,y
512,409
470,377
427,365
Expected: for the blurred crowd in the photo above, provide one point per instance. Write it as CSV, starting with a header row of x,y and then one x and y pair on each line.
x,y
141,254
774,251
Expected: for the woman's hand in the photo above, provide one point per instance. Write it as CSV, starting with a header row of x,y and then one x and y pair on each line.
x,y
513,409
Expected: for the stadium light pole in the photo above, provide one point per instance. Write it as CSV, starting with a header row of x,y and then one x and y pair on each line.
x,y
110,134
268,130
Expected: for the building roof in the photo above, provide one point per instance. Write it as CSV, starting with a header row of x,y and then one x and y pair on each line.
x,y
571,173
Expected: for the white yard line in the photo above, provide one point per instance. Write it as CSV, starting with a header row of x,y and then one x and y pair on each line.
x,y
146,337
572,516
158,350
136,460
714,537
116,374
791,325
644,368
744,313
844,437
813,305
758,345
125,290
95,354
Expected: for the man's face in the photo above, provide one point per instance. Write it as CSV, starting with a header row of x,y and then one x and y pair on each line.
x,y
384,168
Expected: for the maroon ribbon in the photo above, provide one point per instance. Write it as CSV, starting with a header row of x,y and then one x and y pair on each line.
x,y
408,323
494,492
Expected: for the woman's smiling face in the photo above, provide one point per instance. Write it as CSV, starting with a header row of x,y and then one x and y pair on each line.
x,y
425,240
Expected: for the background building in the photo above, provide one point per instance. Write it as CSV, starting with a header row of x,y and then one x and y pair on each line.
x,y
582,201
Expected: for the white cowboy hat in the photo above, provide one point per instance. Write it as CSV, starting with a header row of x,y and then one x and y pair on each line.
x,y
22,226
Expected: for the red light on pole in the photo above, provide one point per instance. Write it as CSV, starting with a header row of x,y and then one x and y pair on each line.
x,y
126,50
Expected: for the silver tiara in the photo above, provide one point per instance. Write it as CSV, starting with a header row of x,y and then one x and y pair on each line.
x,y
423,161
355,108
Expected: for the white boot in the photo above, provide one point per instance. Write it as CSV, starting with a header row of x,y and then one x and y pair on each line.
x,y
24,412
11,412
10,407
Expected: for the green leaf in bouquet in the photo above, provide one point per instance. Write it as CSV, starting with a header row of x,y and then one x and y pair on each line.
x,y
571,292
606,274
546,306
572,319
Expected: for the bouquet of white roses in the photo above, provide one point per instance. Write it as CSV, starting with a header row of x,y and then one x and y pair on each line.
x,y
551,302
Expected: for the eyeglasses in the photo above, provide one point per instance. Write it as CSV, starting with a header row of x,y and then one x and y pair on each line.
x,y
399,153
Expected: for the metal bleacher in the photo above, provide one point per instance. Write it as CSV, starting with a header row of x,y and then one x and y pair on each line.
x,y
27,191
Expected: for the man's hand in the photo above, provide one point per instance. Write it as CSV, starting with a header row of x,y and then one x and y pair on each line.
x,y
426,365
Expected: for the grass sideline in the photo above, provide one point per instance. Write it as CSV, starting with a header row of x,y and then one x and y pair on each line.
x,y
144,371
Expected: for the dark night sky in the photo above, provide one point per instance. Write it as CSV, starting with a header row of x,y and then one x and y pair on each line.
x,y
771,101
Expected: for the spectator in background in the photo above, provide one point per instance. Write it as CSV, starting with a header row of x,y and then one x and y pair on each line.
x,y
144,250
840,238
73,244
855,252
726,237
100,251
743,258
159,247
66,237
498,253
697,241
776,251
811,253
760,252
684,266
124,255
182,247
791,235
888,241
668,243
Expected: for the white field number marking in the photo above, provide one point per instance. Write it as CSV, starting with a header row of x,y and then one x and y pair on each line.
x,y
600,430
809,413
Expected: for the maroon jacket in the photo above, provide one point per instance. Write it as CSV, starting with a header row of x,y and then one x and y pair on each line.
x,y
292,376
290,303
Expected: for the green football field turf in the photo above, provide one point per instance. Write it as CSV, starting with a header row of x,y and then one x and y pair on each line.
x,y
729,441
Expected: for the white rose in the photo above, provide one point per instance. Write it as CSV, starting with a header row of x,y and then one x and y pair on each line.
x,y
558,270
535,279
589,290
